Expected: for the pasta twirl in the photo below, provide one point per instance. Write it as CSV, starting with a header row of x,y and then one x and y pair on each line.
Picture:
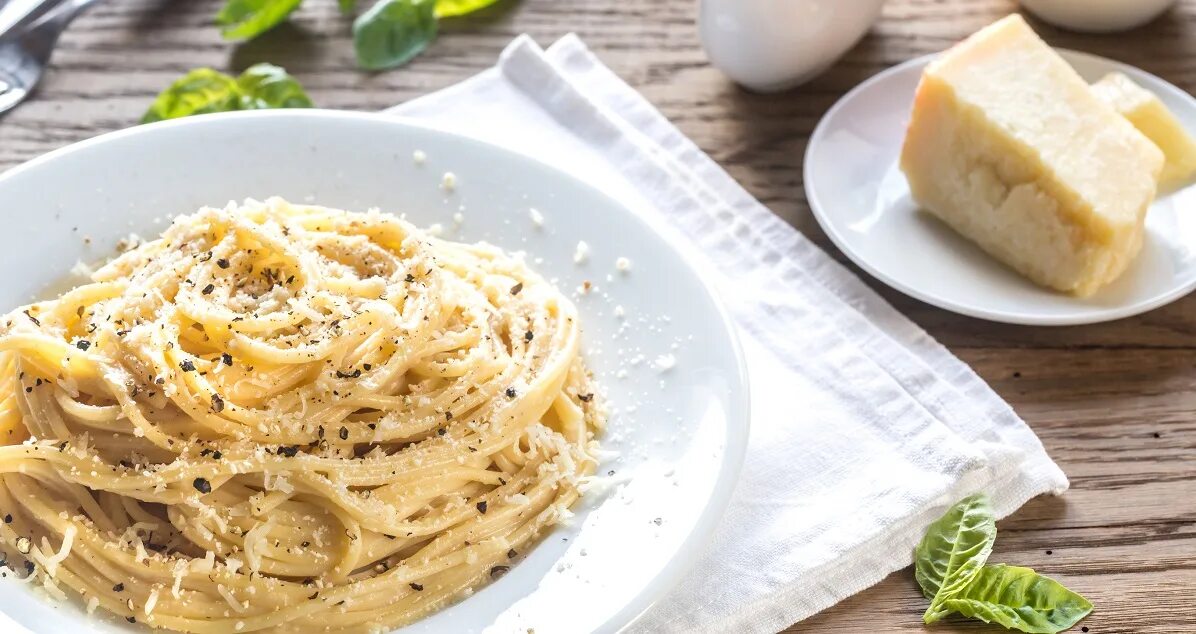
x,y
289,418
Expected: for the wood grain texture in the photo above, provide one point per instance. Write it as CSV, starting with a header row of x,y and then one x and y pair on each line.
x,y
1113,403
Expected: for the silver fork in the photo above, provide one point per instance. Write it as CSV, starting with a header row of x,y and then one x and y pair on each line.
x,y
25,48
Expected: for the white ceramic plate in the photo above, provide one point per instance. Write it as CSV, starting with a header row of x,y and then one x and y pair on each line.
x,y
862,201
679,435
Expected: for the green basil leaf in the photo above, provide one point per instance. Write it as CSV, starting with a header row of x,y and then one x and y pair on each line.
x,y
953,551
454,8
392,32
269,86
247,19
347,6
200,91
1020,599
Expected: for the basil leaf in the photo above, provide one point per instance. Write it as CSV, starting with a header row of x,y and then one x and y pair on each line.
x,y
454,8
346,6
1021,599
953,551
200,91
392,32
247,19
269,86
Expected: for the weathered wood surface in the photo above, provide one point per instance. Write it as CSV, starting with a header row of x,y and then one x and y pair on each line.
x,y
1114,403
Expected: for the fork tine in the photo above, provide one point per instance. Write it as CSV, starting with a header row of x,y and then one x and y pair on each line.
x,y
16,15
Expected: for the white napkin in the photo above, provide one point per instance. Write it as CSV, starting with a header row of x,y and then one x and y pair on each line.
x,y
863,427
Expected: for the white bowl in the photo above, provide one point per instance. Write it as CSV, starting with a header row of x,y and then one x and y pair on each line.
x,y
679,435
1098,16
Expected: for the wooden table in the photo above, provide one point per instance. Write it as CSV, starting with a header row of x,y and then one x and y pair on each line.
x,y
1113,403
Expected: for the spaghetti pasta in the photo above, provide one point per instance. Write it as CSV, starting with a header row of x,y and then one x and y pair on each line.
x,y
289,418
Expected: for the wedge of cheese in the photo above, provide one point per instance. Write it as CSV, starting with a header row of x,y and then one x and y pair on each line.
x,y
1010,147
1146,111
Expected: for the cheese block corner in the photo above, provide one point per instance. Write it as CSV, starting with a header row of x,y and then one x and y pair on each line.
x,y
1009,146
1152,118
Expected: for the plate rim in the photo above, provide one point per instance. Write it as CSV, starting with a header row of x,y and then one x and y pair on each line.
x,y
737,429
1076,318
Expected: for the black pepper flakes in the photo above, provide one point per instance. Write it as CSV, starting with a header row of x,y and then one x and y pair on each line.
x,y
417,587
32,318
8,518
222,263
83,344
516,288
207,290
202,485
344,433
130,619
528,336
409,279
482,507
217,403
585,398
120,587
448,416
511,554
216,455
511,393
226,358
499,571
187,366
442,431
289,452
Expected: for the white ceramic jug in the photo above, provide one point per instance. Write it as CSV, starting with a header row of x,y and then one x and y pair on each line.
x,y
771,45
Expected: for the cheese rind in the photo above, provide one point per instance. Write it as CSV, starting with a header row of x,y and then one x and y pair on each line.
x,y
1008,146
1152,118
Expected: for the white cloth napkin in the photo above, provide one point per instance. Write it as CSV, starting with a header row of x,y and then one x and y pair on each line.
x,y
863,427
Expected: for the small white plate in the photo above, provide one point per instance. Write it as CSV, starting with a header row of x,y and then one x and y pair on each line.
x,y
861,199
676,438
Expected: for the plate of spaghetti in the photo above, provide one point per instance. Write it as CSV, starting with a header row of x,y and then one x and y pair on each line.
x,y
306,371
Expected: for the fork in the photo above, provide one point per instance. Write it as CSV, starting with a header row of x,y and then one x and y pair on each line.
x,y
25,48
